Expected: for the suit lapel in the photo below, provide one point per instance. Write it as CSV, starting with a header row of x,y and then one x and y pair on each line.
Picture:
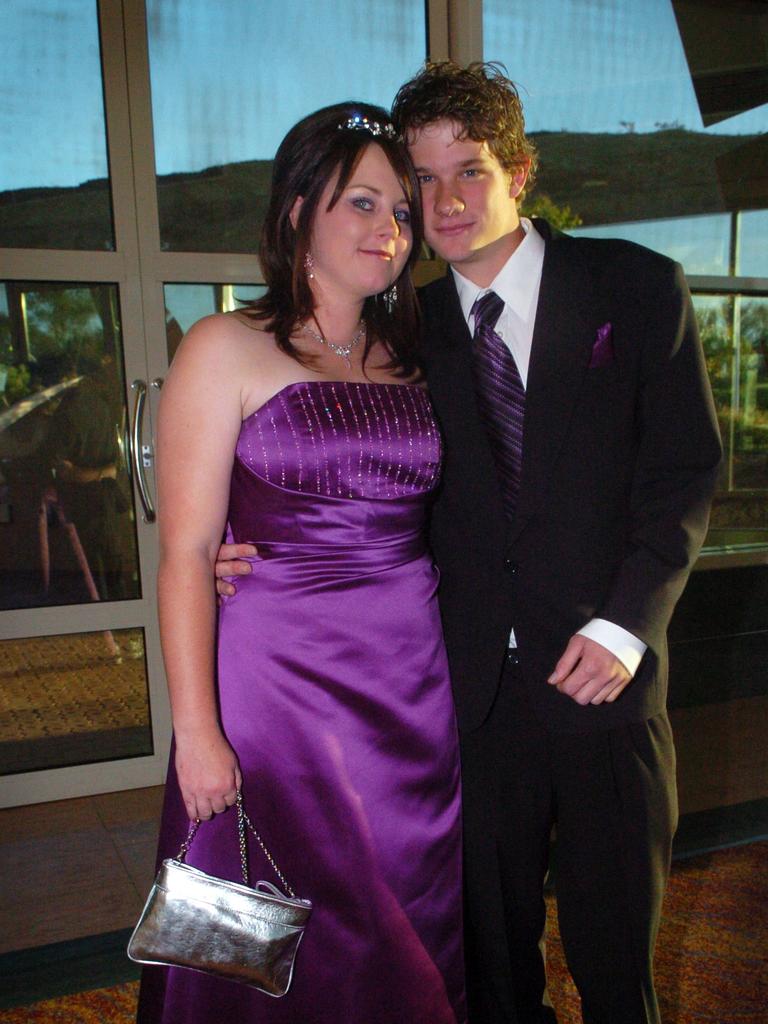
x,y
564,332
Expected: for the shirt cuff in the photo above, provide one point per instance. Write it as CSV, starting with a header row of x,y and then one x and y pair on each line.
x,y
621,643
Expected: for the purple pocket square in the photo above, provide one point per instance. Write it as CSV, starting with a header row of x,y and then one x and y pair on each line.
x,y
602,349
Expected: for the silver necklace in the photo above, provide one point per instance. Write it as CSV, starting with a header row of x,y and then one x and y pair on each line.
x,y
342,351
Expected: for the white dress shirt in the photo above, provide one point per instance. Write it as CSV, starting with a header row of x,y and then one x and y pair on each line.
x,y
518,283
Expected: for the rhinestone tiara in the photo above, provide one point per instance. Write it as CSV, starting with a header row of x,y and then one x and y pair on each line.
x,y
360,123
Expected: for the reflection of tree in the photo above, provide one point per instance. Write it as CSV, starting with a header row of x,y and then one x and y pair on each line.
x,y
753,411
16,384
742,410
54,333
561,217
65,332
754,328
6,346
716,330
715,327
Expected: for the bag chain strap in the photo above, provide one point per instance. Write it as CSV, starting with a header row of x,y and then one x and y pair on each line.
x,y
242,821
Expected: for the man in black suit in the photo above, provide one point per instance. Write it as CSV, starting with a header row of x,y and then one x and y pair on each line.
x,y
561,559
560,566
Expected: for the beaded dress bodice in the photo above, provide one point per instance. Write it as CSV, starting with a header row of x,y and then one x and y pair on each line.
x,y
340,439
315,445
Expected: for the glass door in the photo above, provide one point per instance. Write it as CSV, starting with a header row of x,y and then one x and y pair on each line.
x,y
135,156
82,701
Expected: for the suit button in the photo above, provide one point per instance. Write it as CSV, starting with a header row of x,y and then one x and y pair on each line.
x,y
510,566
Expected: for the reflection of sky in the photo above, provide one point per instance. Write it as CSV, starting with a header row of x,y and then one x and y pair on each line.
x,y
276,63
753,259
187,303
599,65
229,77
51,109
701,244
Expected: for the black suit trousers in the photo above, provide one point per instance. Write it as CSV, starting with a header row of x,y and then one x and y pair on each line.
x,y
611,798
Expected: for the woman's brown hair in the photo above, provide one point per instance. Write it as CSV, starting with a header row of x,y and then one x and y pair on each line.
x,y
318,149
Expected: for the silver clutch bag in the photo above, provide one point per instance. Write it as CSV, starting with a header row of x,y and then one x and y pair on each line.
x,y
235,931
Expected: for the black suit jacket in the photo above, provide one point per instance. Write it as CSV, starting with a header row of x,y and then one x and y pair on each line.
x,y
619,465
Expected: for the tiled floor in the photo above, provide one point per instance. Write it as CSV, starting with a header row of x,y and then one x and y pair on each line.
x,y
76,867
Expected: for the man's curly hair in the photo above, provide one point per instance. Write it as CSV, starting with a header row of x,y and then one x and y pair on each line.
x,y
480,98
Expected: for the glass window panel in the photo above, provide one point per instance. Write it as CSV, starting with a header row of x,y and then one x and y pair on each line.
x,y
714,314
220,111
73,699
751,441
753,254
187,303
625,122
54,178
734,333
67,523
652,130
701,244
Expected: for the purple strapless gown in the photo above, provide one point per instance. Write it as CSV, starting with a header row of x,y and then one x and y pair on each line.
x,y
334,693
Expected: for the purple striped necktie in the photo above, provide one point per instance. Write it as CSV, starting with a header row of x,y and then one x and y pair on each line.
x,y
500,396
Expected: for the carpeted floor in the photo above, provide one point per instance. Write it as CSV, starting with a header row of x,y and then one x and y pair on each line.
x,y
711,963
72,699
116,1005
712,953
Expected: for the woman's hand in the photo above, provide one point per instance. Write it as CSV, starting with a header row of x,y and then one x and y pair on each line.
x,y
208,772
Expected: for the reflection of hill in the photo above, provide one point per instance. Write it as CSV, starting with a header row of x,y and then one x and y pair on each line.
x,y
604,178
57,218
674,173
217,210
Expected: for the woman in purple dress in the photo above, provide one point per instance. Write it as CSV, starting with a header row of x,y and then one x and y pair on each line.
x,y
300,425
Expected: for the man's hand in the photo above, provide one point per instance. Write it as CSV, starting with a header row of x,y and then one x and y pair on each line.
x,y
589,672
228,564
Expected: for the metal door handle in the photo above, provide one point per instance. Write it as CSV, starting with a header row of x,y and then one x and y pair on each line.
x,y
141,454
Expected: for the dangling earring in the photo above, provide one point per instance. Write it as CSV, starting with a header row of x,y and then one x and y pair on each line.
x,y
390,297
309,265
